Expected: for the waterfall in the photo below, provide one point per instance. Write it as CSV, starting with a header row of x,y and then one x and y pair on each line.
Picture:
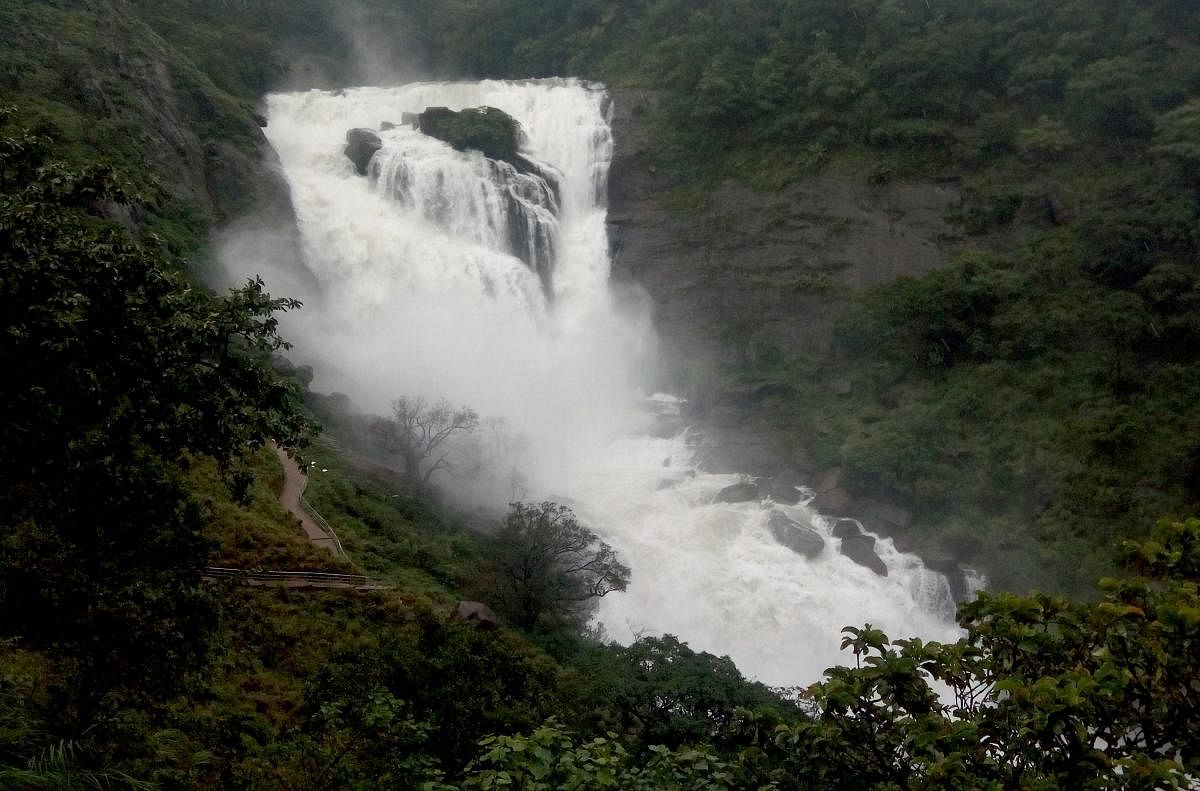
x,y
471,197
447,275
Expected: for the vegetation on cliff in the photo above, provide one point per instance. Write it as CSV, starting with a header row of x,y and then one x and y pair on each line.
x,y
1059,365
492,132
1034,402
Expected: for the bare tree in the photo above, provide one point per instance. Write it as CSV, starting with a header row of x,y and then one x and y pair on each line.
x,y
418,432
547,570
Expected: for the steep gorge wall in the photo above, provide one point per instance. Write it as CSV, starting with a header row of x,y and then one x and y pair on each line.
x,y
104,85
764,268
754,270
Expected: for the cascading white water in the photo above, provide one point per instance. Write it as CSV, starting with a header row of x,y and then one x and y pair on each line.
x,y
419,293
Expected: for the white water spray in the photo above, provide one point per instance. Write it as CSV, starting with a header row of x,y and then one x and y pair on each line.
x,y
420,293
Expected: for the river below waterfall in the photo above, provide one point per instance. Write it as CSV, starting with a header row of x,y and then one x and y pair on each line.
x,y
419,291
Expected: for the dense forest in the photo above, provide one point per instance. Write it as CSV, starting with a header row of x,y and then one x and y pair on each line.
x,y
1035,403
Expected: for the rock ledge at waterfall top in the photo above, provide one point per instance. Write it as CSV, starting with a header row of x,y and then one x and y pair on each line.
x,y
492,132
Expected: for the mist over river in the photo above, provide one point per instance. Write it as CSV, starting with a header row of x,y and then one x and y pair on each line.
x,y
438,275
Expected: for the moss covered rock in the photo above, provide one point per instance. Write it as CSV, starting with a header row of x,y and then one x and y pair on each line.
x,y
492,132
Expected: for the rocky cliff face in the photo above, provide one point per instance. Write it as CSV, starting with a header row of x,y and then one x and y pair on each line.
x,y
103,65
755,270
779,262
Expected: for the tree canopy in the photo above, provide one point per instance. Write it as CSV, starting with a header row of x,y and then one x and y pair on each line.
x,y
545,570
118,372
421,434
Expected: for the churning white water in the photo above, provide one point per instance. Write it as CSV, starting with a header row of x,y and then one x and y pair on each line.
x,y
430,282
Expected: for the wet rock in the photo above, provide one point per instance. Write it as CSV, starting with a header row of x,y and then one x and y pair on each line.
x,y
782,487
828,480
801,539
361,145
890,516
861,549
846,528
738,493
475,613
955,573
886,518
386,126
732,450
833,501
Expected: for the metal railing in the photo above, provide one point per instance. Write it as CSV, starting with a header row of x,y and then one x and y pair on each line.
x,y
315,578
322,523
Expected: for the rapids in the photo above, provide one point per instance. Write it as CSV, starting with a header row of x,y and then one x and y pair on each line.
x,y
419,290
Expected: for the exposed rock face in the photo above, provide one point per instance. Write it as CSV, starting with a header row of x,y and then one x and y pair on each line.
x,y
476,613
782,487
738,493
861,549
846,528
781,258
799,538
828,480
834,501
858,546
886,518
956,574
728,450
744,269
361,146
227,175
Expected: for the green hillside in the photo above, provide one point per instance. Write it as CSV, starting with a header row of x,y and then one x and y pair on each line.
x,y
1035,403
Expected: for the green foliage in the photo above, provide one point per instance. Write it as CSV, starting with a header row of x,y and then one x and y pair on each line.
x,y
1039,693
666,692
256,533
117,374
1047,139
549,758
492,132
391,531
543,569
775,76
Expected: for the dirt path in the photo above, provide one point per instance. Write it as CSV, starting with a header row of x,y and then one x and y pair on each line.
x,y
294,481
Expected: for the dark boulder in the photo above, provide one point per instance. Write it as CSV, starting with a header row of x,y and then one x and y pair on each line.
x,y
386,126
476,613
361,145
833,501
846,528
801,539
738,493
955,573
828,480
782,487
886,518
861,549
